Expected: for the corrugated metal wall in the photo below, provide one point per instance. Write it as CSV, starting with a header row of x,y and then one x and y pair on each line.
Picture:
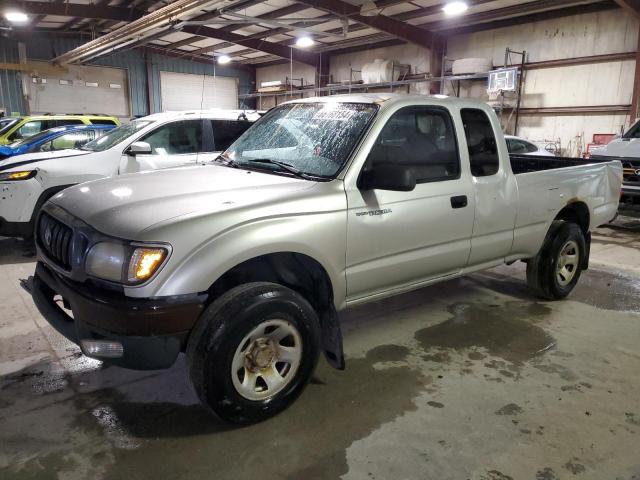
x,y
133,61
11,99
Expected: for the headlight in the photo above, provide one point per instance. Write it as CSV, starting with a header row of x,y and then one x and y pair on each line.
x,y
14,176
125,264
106,261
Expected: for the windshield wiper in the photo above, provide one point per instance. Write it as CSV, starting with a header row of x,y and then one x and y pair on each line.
x,y
226,161
285,166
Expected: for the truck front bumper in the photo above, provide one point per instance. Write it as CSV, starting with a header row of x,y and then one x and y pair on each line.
x,y
150,332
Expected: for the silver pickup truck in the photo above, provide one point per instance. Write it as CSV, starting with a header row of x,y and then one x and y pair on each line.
x,y
324,203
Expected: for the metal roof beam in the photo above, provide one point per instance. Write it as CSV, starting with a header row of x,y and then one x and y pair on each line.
x,y
389,25
277,49
631,6
80,10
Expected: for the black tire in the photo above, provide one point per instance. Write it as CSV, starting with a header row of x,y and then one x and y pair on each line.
x,y
214,342
542,272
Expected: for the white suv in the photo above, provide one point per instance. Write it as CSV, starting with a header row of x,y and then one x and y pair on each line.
x,y
157,141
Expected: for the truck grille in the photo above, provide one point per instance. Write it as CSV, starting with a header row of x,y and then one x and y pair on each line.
x,y
55,238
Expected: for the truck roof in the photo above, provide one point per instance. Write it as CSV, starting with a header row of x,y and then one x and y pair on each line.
x,y
388,99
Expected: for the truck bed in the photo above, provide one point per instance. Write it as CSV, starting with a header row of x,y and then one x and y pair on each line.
x,y
534,163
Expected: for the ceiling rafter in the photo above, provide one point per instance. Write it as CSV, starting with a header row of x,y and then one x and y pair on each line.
x,y
291,9
399,29
526,16
81,10
631,6
283,51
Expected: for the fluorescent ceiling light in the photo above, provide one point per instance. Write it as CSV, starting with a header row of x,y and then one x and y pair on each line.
x,y
16,17
455,8
304,42
224,59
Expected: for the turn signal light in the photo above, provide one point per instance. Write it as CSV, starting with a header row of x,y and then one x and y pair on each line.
x,y
144,263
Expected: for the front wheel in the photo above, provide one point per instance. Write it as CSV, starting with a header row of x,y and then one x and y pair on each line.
x,y
555,270
253,351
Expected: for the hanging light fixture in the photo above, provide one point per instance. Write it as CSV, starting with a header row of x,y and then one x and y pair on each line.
x,y
455,8
304,41
15,16
224,59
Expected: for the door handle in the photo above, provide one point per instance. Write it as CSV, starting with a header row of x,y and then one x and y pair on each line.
x,y
459,201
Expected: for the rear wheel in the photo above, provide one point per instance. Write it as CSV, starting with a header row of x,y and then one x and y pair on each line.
x,y
554,272
253,351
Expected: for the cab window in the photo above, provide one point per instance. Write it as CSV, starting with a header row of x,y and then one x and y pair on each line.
x,y
481,143
176,138
421,139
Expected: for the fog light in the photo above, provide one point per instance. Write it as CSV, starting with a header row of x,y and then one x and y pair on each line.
x,y
102,348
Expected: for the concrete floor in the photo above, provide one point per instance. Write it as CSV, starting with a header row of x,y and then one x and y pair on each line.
x,y
470,379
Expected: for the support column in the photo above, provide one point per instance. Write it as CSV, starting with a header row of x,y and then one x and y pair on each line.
x,y
633,114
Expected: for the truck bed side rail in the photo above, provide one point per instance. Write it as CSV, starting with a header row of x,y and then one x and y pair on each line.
x,y
535,163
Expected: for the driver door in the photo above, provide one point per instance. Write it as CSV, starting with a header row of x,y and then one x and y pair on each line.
x,y
396,239
172,144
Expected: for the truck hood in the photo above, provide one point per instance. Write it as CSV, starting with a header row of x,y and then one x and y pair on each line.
x,y
126,205
33,160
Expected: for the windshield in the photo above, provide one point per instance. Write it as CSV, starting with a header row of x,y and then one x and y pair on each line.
x,y
6,124
115,136
314,138
633,132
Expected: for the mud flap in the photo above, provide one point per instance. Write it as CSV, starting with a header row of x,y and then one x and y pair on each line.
x,y
332,339
587,253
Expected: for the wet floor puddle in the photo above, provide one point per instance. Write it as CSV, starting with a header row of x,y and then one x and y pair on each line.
x,y
499,329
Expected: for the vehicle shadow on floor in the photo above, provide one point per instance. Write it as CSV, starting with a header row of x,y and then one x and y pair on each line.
x,y
16,250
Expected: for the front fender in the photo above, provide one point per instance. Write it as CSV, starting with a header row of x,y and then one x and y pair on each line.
x,y
321,236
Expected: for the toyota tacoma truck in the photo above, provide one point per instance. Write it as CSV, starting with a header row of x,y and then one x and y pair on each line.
x,y
243,264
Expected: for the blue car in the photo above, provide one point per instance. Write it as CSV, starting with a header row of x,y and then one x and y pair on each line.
x,y
58,138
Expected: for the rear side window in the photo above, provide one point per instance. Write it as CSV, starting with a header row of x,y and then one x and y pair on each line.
x,y
64,121
103,122
481,142
422,140
225,132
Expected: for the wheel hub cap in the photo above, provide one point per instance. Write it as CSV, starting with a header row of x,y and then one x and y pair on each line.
x,y
266,360
568,263
261,354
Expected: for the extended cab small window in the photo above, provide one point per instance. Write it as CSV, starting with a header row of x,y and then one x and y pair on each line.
x,y
421,139
481,142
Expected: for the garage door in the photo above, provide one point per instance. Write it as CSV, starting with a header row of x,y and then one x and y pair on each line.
x,y
184,91
81,90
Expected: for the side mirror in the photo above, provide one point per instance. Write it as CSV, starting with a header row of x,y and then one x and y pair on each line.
x,y
388,177
138,148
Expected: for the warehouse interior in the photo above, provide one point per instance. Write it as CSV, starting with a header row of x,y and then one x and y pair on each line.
x,y
472,378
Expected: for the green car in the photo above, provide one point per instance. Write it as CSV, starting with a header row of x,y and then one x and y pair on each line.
x,y
13,129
